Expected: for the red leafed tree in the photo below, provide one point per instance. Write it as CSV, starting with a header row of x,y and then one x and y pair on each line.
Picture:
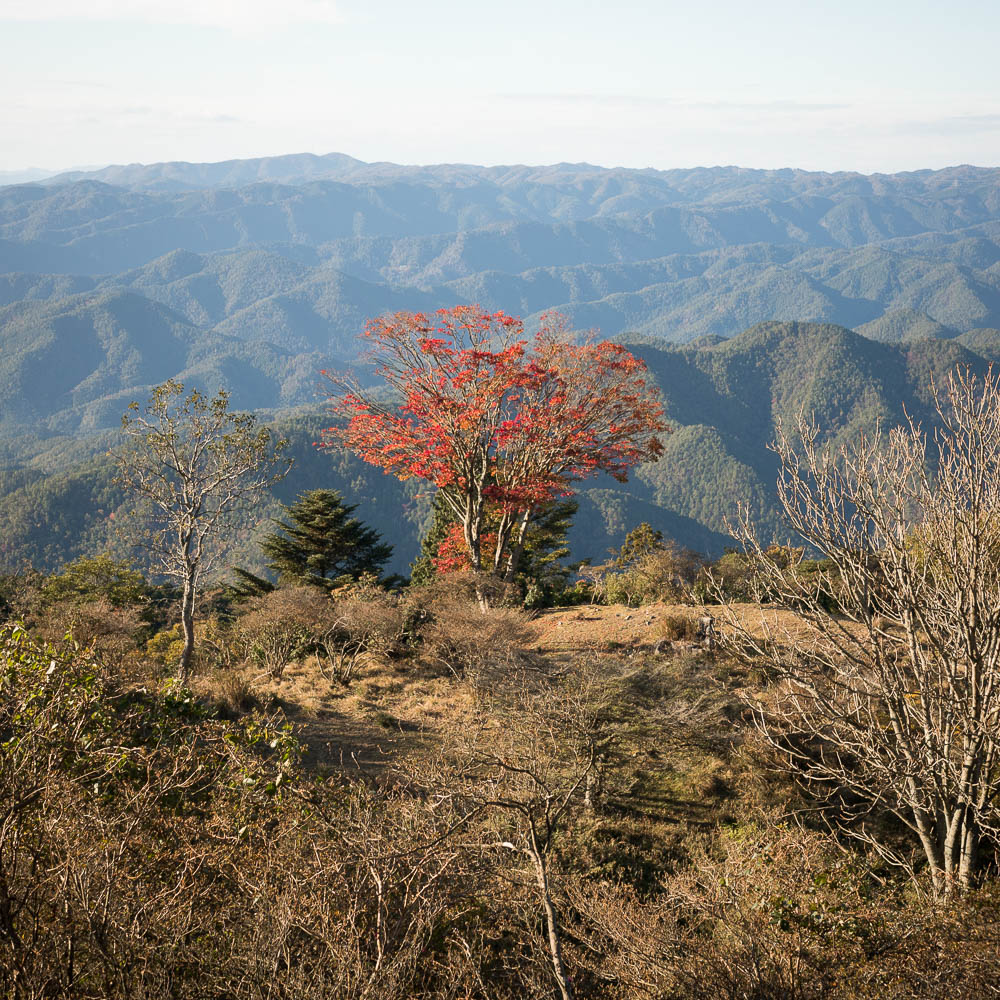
x,y
453,554
500,424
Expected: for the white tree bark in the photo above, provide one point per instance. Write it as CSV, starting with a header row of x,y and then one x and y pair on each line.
x,y
193,466
895,695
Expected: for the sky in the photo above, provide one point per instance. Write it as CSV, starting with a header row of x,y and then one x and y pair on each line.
x,y
880,85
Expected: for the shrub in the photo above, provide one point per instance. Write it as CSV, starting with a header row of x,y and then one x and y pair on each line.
x,y
90,578
456,632
164,647
729,578
677,627
341,628
20,594
277,627
356,626
151,850
733,578
113,632
95,782
231,692
645,570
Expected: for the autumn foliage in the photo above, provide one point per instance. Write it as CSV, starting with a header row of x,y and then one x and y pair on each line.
x,y
498,422
453,554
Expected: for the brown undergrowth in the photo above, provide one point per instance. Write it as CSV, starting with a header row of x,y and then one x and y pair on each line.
x,y
590,815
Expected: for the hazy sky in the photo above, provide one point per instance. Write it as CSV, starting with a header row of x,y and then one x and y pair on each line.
x,y
873,85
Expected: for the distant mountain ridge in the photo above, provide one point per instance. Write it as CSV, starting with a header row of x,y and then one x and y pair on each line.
x,y
255,274
728,183
675,254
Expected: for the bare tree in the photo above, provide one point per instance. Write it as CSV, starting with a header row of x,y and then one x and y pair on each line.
x,y
194,466
535,764
894,697
520,787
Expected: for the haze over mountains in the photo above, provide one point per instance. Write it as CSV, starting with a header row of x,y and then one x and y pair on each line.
x,y
255,274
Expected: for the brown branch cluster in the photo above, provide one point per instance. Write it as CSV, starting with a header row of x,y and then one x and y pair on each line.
x,y
891,699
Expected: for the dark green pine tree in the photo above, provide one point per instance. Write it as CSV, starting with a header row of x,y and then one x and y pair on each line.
x,y
246,586
541,571
321,542
422,568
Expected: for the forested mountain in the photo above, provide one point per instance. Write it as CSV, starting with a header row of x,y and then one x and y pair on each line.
x,y
723,400
256,274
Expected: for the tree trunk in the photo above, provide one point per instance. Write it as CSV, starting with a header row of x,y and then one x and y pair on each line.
x,y
969,857
517,549
551,924
471,528
187,624
932,844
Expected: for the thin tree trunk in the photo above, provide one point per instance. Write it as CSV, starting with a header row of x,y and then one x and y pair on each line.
x,y
471,529
932,851
517,549
970,855
187,625
551,923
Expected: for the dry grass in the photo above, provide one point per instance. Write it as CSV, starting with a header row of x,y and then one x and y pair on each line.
x,y
596,626
231,691
677,627
389,708
682,877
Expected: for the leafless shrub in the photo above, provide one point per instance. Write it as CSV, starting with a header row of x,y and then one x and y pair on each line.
x,y
113,632
511,778
775,911
536,766
377,907
148,850
933,953
480,644
765,916
340,628
594,579
894,699
355,626
276,627
220,645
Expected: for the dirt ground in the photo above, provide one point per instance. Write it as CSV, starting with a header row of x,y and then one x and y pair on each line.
x,y
597,627
403,706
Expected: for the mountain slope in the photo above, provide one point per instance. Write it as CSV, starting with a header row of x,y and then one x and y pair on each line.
x,y
723,400
253,275
726,399
75,363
